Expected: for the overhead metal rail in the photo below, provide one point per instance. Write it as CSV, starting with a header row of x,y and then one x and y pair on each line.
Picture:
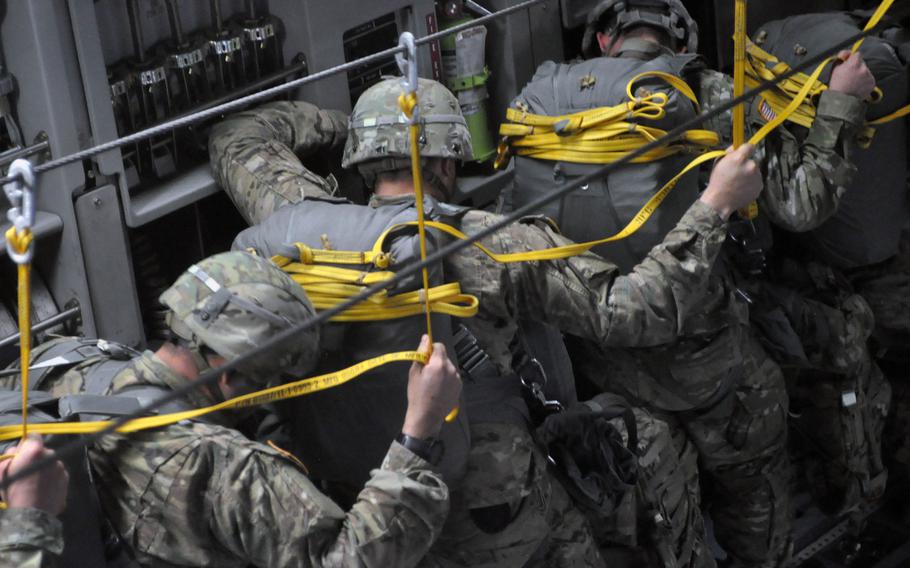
x,y
236,104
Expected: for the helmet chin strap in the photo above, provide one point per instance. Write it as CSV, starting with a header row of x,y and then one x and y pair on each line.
x,y
194,349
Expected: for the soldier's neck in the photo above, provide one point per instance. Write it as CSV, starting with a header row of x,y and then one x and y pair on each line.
x,y
178,359
395,188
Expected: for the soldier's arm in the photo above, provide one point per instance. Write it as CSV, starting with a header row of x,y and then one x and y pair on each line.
x,y
30,538
267,511
804,179
254,155
586,295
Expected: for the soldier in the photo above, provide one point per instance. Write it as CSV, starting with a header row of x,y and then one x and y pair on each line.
x,y
508,510
732,407
31,536
199,493
844,211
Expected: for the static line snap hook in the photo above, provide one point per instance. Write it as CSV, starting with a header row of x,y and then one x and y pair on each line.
x,y
407,64
20,194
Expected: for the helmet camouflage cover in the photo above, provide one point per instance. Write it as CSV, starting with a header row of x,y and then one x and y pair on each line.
x,y
234,302
668,15
378,131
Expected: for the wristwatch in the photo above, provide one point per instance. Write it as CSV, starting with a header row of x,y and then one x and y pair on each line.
x,y
430,449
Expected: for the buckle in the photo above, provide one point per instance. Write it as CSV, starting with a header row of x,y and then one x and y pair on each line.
x,y
471,356
535,387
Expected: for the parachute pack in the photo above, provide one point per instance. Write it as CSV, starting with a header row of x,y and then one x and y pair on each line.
x,y
342,434
604,206
867,226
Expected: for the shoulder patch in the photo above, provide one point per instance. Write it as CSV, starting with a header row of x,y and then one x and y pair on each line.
x,y
766,112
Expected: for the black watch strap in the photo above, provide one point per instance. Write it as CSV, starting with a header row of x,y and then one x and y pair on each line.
x,y
429,449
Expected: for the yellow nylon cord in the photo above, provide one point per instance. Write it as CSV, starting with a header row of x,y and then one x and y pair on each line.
x,y
739,87
739,72
576,249
274,394
328,286
408,102
601,135
20,242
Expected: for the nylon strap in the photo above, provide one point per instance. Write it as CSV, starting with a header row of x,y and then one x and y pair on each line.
x,y
265,396
576,249
739,87
20,241
328,286
602,135
408,103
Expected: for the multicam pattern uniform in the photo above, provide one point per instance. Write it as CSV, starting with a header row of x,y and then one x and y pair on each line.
x,y
716,384
584,295
201,494
804,179
29,538
806,173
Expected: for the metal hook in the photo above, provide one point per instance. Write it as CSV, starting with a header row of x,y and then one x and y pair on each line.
x,y
20,193
407,64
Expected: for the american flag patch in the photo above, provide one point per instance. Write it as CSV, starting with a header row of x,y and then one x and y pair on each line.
x,y
765,110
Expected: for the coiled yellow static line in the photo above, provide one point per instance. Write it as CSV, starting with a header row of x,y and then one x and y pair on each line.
x,y
20,242
265,396
408,102
739,87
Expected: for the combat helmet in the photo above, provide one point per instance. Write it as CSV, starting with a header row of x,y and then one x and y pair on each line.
x,y
232,303
618,15
378,130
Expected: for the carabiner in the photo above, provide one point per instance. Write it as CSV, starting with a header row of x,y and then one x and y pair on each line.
x,y
21,196
407,64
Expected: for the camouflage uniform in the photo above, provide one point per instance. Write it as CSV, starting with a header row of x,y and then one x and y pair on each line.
x,y
716,384
806,174
199,493
29,538
584,295
804,178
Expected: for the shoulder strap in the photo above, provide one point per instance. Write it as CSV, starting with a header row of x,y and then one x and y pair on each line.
x,y
90,406
73,352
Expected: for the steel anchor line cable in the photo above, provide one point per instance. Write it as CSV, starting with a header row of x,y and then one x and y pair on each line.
x,y
237,104
212,375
